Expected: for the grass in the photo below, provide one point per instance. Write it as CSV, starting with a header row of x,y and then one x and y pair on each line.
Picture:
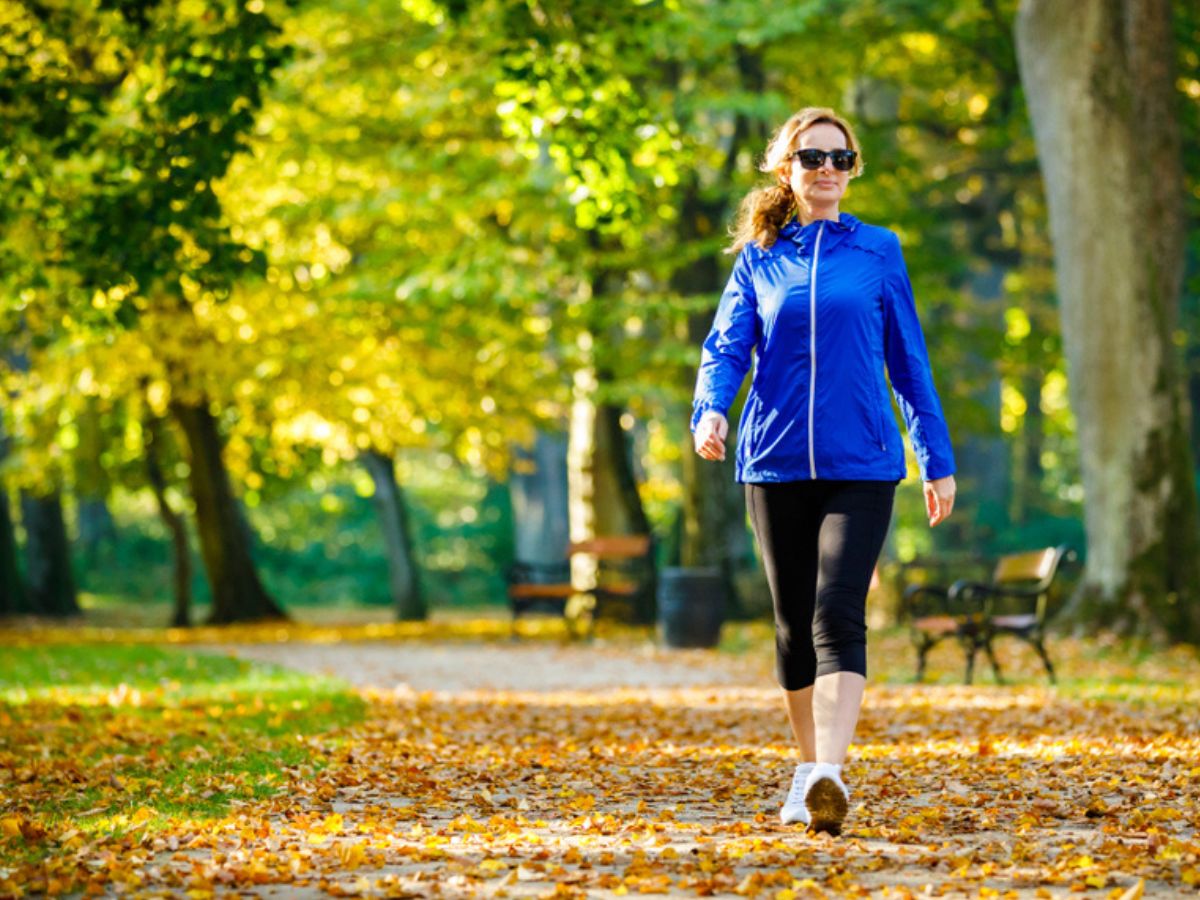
x,y
133,738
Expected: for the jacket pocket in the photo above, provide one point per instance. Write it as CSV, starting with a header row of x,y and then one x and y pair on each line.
x,y
880,428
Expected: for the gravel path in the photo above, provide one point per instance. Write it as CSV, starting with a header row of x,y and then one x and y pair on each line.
x,y
470,666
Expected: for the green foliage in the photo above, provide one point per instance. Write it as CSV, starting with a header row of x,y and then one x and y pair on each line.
x,y
319,544
399,226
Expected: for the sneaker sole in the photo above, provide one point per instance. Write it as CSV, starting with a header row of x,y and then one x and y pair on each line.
x,y
797,818
826,806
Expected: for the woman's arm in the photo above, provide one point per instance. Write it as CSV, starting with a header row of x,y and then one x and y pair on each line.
x,y
725,357
911,375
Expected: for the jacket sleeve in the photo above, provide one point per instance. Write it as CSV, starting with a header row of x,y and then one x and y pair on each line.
x,y
909,370
725,356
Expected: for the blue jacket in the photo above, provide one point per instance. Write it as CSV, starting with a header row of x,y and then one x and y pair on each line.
x,y
825,308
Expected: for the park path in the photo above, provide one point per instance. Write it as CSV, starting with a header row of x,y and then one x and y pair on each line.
x,y
456,666
550,771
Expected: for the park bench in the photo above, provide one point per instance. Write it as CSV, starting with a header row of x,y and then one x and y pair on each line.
x,y
974,613
625,572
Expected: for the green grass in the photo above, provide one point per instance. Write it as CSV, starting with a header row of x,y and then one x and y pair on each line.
x,y
116,738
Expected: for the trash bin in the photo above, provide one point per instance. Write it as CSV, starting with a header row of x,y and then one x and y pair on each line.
x,y
691,606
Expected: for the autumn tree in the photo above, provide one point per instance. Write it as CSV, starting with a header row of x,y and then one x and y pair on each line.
x,y
411,278
1100,83
120,196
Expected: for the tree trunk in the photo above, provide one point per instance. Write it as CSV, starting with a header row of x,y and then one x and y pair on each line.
x,y
604,497
1099,84
12,589
397,538
540,502
47,556
95,522
1027,491
984,469
181,560
713,529
238,595
714,507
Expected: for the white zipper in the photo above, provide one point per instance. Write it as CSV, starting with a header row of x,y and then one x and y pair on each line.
x,y
812,351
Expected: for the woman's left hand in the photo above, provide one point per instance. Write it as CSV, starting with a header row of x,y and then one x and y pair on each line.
x,y
939,499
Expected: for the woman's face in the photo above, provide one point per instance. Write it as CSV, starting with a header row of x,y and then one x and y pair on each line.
x,y
822,187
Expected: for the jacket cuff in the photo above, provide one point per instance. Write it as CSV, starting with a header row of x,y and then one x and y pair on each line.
x,y
934,472
699,410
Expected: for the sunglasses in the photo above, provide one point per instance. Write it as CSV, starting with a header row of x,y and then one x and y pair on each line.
x,y
811,158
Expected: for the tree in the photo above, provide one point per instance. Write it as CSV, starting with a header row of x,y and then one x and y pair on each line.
x,y
1099,82
145,106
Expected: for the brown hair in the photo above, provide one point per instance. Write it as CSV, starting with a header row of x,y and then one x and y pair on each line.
x,y
766,209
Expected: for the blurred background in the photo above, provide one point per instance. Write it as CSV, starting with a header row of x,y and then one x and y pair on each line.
x,y
350,306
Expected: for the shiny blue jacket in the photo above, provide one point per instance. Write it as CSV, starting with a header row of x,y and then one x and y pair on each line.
x,y
824,308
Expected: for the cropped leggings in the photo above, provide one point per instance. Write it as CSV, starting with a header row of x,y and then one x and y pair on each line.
x,y
820,541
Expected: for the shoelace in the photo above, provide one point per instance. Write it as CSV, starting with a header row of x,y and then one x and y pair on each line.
x,y
796,794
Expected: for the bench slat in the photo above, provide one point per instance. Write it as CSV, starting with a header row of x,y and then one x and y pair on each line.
x,y
617,546
527,590
1032,566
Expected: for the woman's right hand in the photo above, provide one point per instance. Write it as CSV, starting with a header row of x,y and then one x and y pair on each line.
x,y
710,434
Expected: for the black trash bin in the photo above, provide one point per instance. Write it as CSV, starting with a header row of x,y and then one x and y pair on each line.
x,y
691,606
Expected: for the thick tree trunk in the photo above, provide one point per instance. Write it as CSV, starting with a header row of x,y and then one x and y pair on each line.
x,y
47,556
1099,84
604,497
180,559
238,594
538,487
397,538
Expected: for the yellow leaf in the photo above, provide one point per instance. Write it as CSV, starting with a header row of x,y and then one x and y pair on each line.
x,y
351,855
143,813
10,826
1135,892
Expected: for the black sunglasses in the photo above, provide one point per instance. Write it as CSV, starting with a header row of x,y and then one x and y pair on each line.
x,y
812,158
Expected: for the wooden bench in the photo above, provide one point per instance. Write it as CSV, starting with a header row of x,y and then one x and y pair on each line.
x,y
1015,602
625,572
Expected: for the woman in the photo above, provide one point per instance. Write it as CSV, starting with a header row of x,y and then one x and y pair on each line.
x,y
824,301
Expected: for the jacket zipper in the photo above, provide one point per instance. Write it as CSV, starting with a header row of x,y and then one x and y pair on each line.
x,y
812,351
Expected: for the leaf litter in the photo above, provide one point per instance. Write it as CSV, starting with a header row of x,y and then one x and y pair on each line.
x,y
608,790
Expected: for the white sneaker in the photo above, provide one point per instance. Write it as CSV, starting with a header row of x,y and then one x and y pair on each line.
x,y
826,798
793,808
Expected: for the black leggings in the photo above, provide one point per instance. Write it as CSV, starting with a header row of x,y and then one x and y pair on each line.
x,y
820,541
